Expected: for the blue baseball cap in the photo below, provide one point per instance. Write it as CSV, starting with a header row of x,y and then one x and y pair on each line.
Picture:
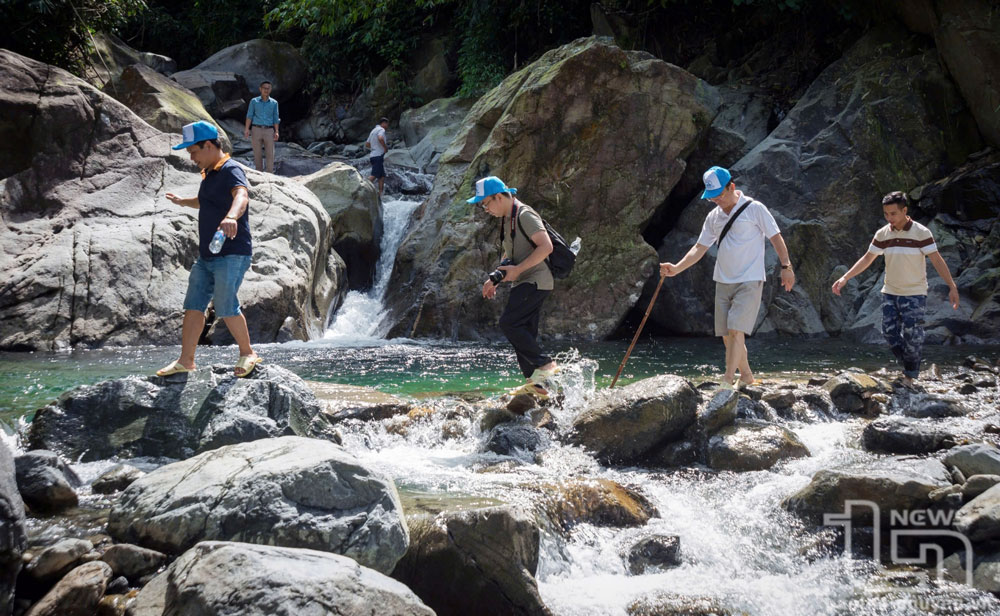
x,y
716,179
196,132
490,185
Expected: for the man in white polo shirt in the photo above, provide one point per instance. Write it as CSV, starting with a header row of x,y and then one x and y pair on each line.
x,y
739,224
905,243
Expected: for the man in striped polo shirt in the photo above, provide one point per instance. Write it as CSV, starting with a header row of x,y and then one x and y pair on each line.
x,y
905,243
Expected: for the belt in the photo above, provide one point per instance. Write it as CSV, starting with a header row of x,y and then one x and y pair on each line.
x,y
262,125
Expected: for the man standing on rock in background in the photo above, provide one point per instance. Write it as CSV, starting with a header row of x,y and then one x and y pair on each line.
x,y
526,244
262,126
905,243
739,224
223,205
376,143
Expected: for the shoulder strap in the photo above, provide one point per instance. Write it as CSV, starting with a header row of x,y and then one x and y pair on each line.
x,y
732,219
521,227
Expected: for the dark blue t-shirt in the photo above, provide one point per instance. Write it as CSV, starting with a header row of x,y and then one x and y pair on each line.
x,y
215,197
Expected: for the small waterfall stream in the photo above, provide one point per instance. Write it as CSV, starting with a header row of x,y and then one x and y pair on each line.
x,y
359,316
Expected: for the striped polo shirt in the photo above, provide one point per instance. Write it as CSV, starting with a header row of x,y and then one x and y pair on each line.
x,y
904,251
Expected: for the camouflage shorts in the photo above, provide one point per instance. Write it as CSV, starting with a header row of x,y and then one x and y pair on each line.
x,y
903,328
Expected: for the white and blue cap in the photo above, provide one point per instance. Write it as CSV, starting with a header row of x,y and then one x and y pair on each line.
x,y
197,132
716,179
489,185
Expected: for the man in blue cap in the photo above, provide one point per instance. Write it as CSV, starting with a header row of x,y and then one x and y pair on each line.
x,y
739,224
222,204
526,245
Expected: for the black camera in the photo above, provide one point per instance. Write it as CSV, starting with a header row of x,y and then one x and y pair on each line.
x,y
498,274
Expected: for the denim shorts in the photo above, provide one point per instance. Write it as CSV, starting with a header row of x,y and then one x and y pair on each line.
x,y
218,279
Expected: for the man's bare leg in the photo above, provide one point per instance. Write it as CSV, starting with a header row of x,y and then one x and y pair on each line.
x,y
238,328
736,356
194,325
381,185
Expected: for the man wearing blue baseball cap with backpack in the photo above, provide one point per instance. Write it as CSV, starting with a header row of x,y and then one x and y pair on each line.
x,y
224,248
739,224
526,245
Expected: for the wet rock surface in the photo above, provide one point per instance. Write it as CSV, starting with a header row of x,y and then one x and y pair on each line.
x,y
491,554
289,491
284,580
175,416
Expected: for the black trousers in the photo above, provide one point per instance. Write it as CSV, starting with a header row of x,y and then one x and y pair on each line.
x,y
519,322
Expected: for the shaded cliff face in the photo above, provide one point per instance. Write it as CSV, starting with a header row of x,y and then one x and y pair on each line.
x,y
92,252
594,138
884,117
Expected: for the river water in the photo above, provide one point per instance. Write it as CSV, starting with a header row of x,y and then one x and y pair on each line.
x,y
738,545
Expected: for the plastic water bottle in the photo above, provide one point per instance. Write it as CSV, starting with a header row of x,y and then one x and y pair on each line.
x,y
217,240
575,246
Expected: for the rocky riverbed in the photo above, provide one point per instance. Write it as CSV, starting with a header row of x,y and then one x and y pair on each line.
x,y
666,495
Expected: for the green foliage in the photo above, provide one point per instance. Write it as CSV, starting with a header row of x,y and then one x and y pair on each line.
x,y
349,41
59,31
191,30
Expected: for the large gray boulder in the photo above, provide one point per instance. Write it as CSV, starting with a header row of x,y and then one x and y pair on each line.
x,y
175,416
563,132
163,103
858,132
890,484
432,76
623,425
92,253
223,93
355,216
261,60
13,539
109,56
290,491
481,561
429,130
272,581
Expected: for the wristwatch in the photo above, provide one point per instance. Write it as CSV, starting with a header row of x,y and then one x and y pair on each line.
x,y
234,218
787,267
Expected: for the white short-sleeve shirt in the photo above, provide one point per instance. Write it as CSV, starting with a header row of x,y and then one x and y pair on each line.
x,y
376,145
741,254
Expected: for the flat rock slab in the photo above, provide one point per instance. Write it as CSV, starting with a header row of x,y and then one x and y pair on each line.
x,y
255,580
290,491
906,435
175,416
890,484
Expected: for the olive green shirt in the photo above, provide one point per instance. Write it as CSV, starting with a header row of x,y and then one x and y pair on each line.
x,y
519,247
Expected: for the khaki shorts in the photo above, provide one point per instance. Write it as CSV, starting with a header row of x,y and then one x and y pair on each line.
x,y
736,306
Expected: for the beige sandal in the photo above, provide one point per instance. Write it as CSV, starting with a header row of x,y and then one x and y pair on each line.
x,y
174,367
247,363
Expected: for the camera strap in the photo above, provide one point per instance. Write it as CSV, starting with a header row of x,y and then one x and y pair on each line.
x,y
513,217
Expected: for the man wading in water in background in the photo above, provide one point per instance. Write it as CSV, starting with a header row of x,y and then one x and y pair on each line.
x,y
904,243
526,244
740,225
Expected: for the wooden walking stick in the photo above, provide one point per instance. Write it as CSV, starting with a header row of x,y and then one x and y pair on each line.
x,y
638,331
